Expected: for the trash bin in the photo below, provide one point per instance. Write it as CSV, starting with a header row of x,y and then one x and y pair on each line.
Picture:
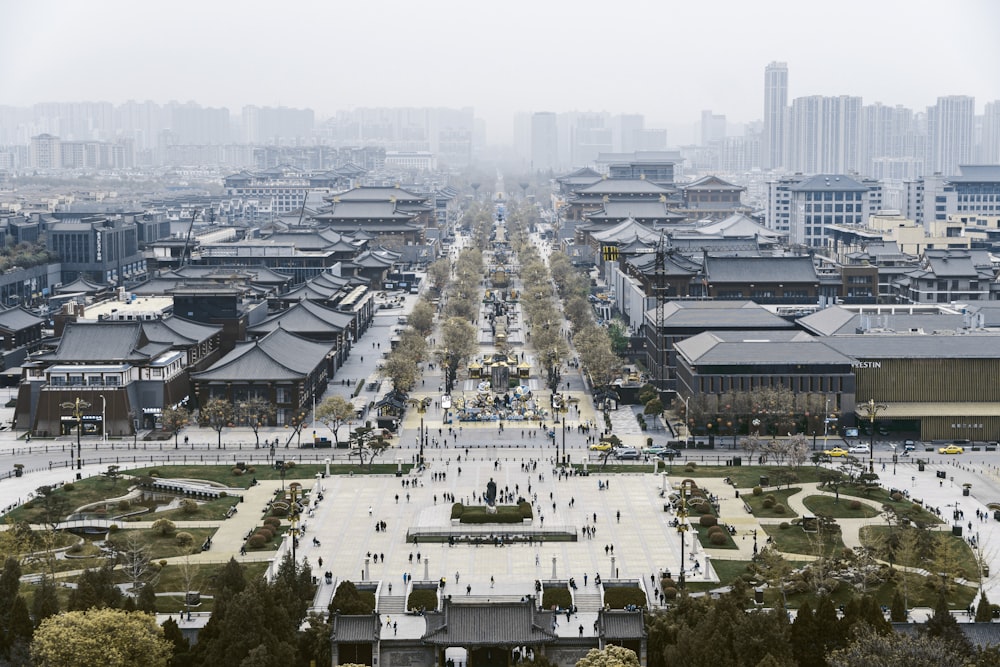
x,y
920,466
996,515
764,480
941,474
737,461
966,490
758,595
18,472
956,531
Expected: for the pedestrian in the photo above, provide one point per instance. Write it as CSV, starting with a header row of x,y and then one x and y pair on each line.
x,y
369,510
394,628
584,578
390,589
468,589
581,629
456,576
618,515
491,582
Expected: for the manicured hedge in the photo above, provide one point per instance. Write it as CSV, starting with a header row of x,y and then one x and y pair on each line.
x,y
478,513
559,597
621,597
425,598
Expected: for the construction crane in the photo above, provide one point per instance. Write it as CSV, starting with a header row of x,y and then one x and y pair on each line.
x,y
187,241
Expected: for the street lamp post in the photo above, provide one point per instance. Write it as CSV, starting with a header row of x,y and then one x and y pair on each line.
x,y
564,409
77,406
682,528
422,406
872,409
293,519
104,419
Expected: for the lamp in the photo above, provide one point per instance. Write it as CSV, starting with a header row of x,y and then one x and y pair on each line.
x,y
77,406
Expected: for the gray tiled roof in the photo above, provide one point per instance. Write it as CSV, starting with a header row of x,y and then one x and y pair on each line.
x,y
707,315
100,342
626,231
640,209
752,348
305,317
760,270
613,186
832,182
15,319
910,346
363,210
377,193
977,173
280,355
620,624
837,321
495,624
360,629
177,331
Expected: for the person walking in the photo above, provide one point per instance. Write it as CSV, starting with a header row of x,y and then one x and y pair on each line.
x,y
456,576
491,582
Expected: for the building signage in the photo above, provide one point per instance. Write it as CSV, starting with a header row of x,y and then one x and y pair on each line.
x,y
966,425
866,364
99,258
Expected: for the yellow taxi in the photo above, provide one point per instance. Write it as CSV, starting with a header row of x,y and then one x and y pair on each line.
x,y
836,451
601,446
951,449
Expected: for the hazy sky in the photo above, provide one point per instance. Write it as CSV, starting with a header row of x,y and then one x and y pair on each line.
x,y
665,59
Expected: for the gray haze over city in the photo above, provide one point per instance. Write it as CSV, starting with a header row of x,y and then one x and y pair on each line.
x,y
666,60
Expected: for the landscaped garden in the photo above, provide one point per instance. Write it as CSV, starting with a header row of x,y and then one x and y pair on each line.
x,y
843,508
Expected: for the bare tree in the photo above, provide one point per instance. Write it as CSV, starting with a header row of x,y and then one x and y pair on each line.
x,y
173,420
217,414
256,412
335,412
134,561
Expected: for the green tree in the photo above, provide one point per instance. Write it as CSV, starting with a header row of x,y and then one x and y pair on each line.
x,y
368,443
895,650
181,647
984,612
804,631
314,641
173,420
217,414
100,638
347,601
421,318
438,273
334,412
45,602
255,413
942,627
898,611
618,335
95,588
610,656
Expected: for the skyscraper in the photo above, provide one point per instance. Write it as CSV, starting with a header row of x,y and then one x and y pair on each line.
x,y
990,147
950,125
775,104
544,141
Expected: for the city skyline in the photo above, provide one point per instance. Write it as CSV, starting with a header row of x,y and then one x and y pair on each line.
x,y
514,59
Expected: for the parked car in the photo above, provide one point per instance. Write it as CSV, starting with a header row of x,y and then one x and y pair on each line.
x,y
655,450
951,449
909,445
669,452
627,453
859,449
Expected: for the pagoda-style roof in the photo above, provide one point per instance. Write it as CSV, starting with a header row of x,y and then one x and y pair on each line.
x,y
280,355
503,624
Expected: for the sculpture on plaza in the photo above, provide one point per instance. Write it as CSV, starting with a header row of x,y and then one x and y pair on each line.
x,y
491,493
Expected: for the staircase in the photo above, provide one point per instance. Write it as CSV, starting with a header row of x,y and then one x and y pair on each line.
x,y
588,601
392,604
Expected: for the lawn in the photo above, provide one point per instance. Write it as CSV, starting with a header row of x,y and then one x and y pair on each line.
x,y
780,497
745,477
794,540
224,474
964,557
173,579
211,510
83,492
706,543
829,506
164,547
882,497
275,541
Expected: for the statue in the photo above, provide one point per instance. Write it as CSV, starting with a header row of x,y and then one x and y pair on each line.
x,y
491,492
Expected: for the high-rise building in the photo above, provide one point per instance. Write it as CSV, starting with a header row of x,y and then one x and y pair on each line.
x,y
713,128
544,141
277,125
824,134
990,147
775,109
45,152
950,125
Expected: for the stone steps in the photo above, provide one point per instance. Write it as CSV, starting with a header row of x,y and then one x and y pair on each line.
x,y
391,604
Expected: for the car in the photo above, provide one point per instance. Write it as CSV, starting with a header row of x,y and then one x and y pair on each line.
x,y
836,451
669,452
627,453
655,450
859,449
909,445
951,449
600,446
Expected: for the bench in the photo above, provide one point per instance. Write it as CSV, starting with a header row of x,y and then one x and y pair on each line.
x,y
747,507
